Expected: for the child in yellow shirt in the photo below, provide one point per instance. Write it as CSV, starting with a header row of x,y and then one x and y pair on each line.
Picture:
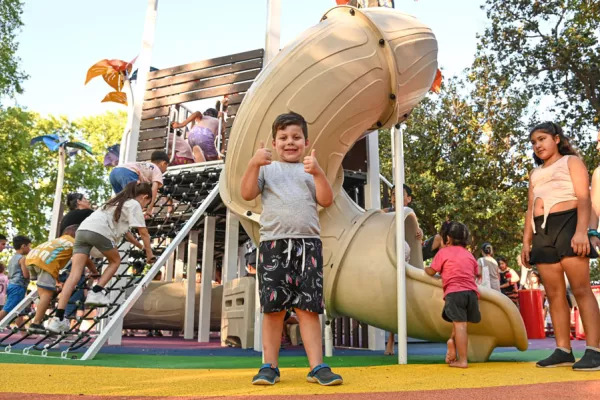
x,y
44,263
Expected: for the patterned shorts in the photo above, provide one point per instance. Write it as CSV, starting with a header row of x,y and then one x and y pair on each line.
x,y
290,275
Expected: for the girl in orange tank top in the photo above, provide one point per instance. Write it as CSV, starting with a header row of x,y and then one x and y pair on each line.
x,y
556,241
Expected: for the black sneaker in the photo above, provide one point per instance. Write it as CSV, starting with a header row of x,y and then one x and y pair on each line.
x,y
559,358
37,328
267,375
323,375
589,362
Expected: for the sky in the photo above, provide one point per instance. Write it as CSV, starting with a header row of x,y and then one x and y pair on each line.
x,y
61,39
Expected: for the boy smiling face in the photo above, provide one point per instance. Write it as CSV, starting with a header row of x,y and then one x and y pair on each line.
x,y
290,144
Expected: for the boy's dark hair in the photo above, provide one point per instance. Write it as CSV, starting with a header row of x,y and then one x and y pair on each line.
x,y
211,112
285,120
131,191
457,231
487,249
70,230
564,146
501,258
72,199
2,237
407,189
2,267
19,241
159,156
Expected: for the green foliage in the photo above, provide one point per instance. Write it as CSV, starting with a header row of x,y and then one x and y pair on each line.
x,y
465,158
28,177
551,48
11,77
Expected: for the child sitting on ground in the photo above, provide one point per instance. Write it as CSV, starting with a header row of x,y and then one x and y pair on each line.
x,y
44,262
104,230
18,276
458,269
141,172
290,265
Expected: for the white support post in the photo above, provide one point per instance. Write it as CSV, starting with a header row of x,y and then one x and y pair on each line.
x,y
230,256
400,264
373,201
179,262
190,287
208,255
60,179
273,32
115,337
393,144
258,317
170,267
144,60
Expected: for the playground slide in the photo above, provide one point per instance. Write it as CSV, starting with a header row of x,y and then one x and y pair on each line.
x,y
356,71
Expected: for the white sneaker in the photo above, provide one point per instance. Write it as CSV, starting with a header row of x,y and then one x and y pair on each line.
x,y
57,326
97,299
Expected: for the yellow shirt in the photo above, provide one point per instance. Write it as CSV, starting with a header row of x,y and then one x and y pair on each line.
x,y
53,255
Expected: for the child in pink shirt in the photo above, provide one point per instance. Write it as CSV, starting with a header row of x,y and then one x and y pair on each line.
x,y
458,269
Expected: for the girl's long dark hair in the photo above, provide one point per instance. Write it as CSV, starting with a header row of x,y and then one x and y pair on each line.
x,y
131,191
564,146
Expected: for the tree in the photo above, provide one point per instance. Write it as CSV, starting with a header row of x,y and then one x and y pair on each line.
x,y
28,175
550,48
11,77
466,158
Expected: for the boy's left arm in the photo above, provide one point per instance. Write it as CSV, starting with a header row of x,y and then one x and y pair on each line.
x,y
324,192
430,271
23,266
155,186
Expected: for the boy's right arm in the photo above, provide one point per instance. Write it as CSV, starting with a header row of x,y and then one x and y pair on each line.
x,y
249,187
193,116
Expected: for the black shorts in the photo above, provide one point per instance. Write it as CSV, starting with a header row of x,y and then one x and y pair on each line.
x,y
462,307
552,243
290,275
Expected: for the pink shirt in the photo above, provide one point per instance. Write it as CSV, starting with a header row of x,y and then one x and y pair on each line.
x,y
3,286
458,268
147,171
182,147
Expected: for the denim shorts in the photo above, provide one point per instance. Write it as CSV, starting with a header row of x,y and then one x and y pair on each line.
x,y
14,295
119,178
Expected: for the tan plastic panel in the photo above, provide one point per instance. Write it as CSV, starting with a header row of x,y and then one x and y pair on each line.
x,y
162,306
354,71
238,311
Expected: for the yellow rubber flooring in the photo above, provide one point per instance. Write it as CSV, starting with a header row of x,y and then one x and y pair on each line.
x,y
81,380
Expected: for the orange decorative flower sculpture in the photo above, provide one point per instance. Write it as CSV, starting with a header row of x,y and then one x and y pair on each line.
x,y
115,73
436,86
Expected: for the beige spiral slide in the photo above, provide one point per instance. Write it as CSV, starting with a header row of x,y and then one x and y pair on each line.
x,y
359,70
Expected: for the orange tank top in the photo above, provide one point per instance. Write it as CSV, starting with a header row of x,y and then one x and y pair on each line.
x,y
553,185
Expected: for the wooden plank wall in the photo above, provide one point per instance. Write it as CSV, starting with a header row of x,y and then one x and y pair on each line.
x,y
167,88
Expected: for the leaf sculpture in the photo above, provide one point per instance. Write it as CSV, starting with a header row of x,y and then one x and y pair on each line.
x,y
436,86
114,73
53,142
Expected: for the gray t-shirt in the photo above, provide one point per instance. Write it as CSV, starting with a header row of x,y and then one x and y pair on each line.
x,y
494,271
289,199
15,274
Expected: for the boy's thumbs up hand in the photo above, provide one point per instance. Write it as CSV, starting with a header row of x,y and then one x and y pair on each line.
x,y
262,156
311,165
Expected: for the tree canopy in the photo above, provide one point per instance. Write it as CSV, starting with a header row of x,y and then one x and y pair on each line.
x,y
11,77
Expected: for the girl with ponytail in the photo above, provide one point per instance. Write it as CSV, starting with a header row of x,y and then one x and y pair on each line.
x,y
104,230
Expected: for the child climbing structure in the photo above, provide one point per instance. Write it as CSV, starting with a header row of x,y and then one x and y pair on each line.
x,y
356,71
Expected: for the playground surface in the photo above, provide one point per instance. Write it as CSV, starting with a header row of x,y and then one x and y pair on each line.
x,y
154,368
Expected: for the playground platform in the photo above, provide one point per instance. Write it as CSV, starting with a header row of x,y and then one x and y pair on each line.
x,y
170,367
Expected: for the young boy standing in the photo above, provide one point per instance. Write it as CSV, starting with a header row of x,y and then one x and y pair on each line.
x,y
142,172
290,266
18,276
458,269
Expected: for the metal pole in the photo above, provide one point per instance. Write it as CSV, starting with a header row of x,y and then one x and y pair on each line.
x,y
400,264
393,145
140,87
273,33
60,180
